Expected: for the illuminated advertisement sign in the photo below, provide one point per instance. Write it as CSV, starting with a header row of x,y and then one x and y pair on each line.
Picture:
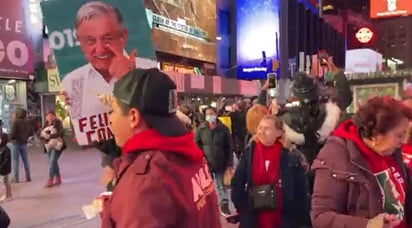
x,y
390,8
362,61
364,35
169,25
257,35
184,28
170,67
16,52
311,4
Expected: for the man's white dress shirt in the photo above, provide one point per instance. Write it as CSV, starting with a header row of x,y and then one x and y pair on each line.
x,y
88,114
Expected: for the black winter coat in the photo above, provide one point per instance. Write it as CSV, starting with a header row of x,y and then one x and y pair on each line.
x,y
5,161
216,145
295,194
58,125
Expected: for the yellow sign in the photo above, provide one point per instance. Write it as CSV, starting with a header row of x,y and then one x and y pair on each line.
x,y
275,65
227,121
169,67
53,80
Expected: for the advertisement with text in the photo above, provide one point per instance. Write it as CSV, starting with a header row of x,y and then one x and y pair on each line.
x,y
16,53
184,27
95,43
390,8
257,26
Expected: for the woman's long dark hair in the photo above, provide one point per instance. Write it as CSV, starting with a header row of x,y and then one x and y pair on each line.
x,y
21,113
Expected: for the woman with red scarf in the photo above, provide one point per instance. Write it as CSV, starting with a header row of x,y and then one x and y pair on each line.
x,y
361,180
269,188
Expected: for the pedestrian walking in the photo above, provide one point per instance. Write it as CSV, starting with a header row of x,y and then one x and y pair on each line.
x,y
20,132
53,131
5,165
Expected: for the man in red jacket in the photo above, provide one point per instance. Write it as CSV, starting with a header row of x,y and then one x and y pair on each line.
x,y
161,179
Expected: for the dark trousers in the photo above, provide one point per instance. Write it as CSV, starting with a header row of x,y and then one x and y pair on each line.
x,y
239,146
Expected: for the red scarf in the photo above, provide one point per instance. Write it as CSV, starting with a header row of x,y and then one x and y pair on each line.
x,y
385,169
265,170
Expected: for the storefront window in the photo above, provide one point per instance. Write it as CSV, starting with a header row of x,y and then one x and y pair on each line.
x,y
13,95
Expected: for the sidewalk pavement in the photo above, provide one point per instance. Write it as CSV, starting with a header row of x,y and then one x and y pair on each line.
x,y
34,206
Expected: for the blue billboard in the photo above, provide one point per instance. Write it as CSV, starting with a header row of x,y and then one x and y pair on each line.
x,y
311,4
257,37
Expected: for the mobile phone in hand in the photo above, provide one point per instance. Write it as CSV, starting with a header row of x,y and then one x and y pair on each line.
x,y
272,78
323,58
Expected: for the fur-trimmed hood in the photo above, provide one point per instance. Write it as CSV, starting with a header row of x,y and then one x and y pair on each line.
x,y
329,124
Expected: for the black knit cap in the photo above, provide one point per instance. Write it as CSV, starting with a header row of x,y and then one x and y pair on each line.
x,y
154,94
304,87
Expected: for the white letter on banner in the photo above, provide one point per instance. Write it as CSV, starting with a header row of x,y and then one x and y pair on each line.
x,y
12,48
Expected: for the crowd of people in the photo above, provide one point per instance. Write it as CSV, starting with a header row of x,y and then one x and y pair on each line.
x,y
287,166
333,170
311,165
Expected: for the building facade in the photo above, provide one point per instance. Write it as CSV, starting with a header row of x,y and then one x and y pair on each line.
x,y
395,41
17,59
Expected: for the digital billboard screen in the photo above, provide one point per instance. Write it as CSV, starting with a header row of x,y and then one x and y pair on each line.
x,y
312,5
184,28
257,32
390,8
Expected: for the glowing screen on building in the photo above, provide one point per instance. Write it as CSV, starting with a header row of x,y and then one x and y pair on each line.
x,y
257,32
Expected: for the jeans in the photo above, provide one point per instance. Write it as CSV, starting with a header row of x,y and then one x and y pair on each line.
x,y
220,188
19,150
53,156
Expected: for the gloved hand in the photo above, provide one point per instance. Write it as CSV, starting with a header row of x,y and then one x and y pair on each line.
x,y
108,147
110,151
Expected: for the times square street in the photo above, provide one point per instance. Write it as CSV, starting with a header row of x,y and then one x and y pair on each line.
x,y
34,206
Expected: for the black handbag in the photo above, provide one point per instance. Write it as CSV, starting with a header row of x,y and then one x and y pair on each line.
x,y
263,197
